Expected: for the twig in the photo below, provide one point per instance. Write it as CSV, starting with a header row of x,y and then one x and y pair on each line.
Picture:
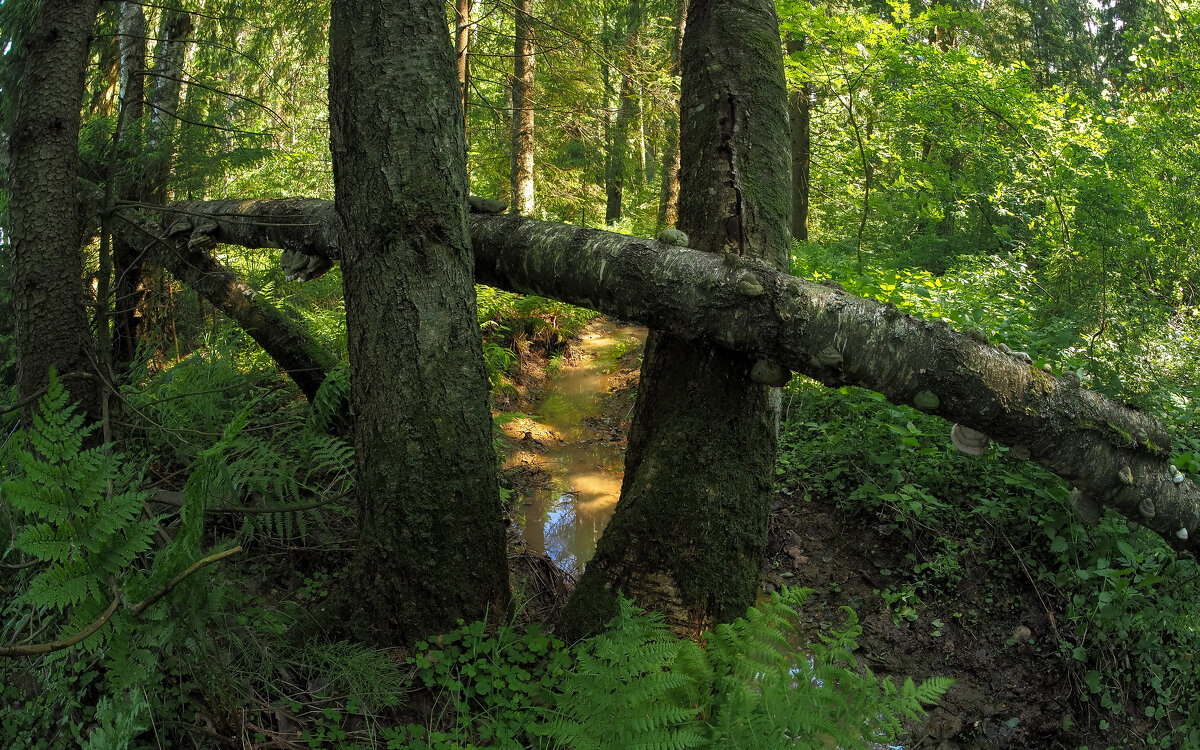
x,y
135,610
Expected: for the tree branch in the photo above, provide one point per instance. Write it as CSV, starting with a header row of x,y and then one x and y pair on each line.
x,y
136,610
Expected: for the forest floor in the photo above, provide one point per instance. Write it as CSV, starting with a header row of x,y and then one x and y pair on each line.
x,y
994,637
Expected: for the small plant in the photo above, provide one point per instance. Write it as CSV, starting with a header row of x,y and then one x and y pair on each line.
x,y
745,685
491,687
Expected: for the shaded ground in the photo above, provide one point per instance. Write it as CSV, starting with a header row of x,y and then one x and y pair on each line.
x,y
994,637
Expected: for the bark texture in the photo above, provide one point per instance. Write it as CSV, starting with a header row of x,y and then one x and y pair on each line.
x,y
48,301
668,202
618,145
173,30
688,534
834,337
431,544
184,254
128,289
800,117
524,69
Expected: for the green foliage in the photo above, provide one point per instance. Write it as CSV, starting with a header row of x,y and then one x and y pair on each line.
x,y
492,688
623,692
84,533
747,685
1123,596
79,514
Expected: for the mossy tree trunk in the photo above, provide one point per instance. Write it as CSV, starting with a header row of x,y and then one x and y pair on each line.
x,y
688,533
431,542
815,329
48,296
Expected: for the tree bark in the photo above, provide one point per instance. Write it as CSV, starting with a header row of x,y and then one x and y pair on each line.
x,y
128,289
462,51
800,117
183,254
164,101
688,535
618,144
48,300
431,545
668,201
524,69
822,332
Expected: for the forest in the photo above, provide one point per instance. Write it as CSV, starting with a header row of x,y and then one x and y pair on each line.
x,y
606,374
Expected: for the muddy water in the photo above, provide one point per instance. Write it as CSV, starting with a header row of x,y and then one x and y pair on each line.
x,y
565,517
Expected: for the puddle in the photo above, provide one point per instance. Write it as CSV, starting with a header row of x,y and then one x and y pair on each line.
x,y
583,464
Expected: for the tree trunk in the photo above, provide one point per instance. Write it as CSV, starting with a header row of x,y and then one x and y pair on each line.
x,y
817,330
462,49
800,118
431,544
169,55
48,300
618,144
689,531
524,68
285,340
128,290
668,201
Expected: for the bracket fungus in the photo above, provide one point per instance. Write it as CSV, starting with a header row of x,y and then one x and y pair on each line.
x,y
673,237
971,442
298,266
770,373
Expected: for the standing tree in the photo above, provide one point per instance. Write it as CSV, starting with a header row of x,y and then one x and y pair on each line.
x,y
524,68
618,144
688,534
52,328
668,202
431,543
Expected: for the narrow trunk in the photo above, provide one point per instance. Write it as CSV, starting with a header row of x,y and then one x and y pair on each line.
x,y
618,148
668,202
127,266
169,54
524,67
689,531
431,542
462,49
48,298
800,117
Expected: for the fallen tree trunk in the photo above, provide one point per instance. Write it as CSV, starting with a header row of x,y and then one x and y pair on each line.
x,y
1113,455
288,343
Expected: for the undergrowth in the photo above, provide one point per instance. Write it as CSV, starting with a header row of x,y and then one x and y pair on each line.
x,y
1127,628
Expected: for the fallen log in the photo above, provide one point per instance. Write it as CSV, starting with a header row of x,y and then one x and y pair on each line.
x,y
1113,455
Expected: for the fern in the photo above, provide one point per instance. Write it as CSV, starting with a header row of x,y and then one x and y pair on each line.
x,y
73,524
329,404
623,692
745,686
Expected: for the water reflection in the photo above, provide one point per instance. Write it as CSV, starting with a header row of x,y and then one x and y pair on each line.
x,y
565,518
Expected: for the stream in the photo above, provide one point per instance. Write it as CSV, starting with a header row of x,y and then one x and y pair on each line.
x,y
564,517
